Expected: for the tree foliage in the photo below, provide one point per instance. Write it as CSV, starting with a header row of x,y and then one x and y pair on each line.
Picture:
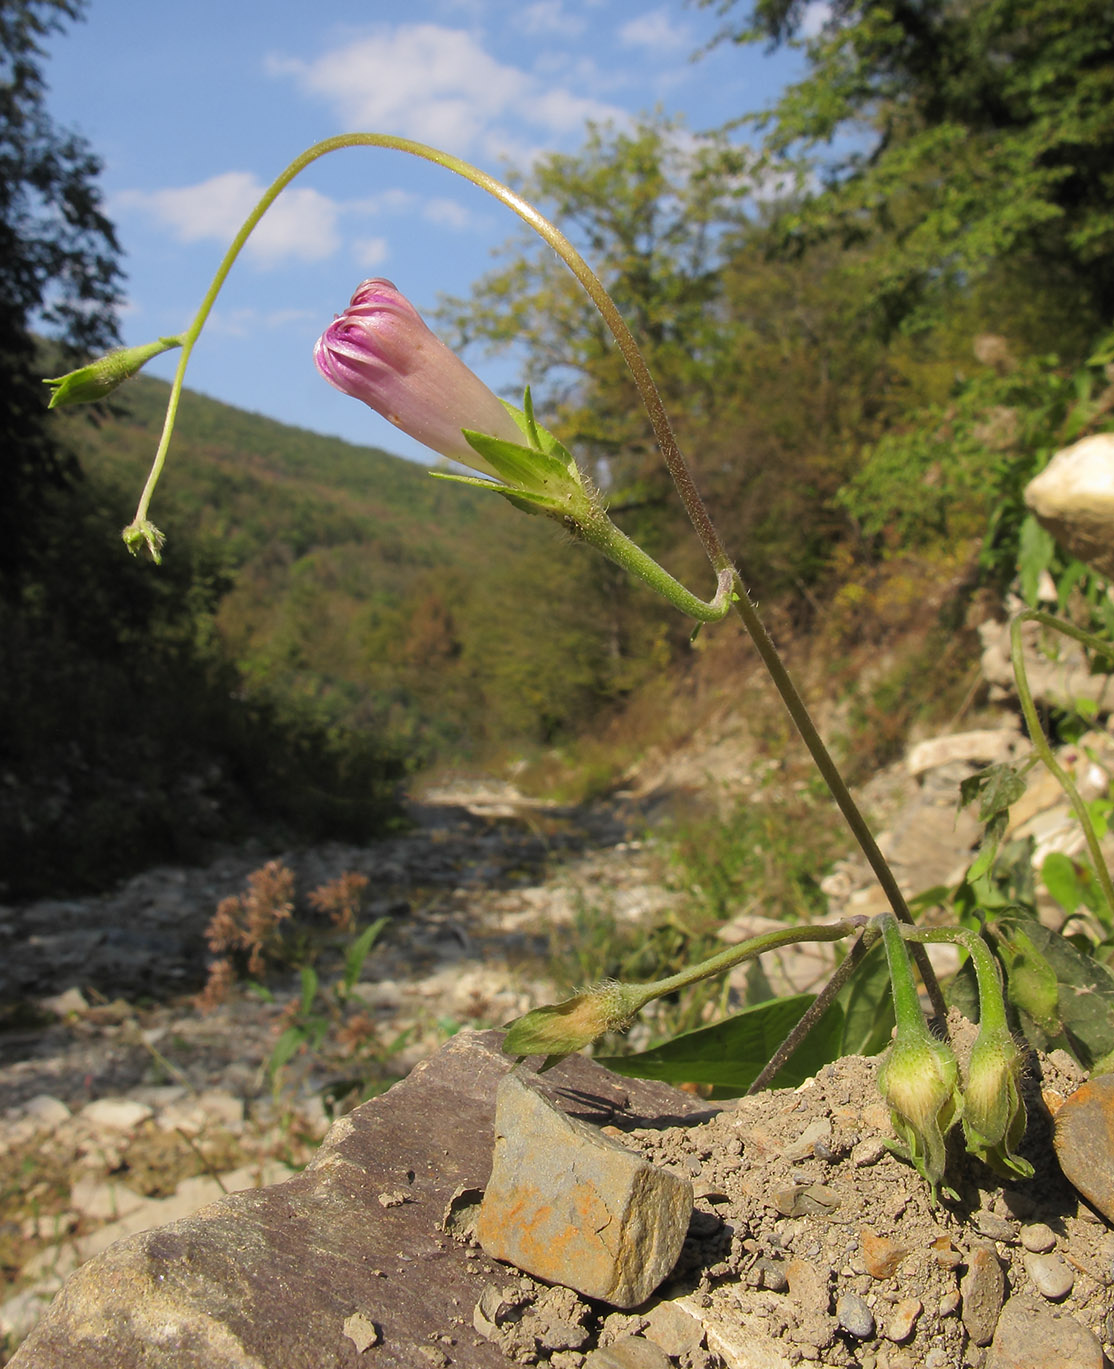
x,y
952,136
59,267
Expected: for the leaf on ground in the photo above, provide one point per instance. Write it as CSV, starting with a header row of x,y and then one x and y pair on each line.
x,y
730,1055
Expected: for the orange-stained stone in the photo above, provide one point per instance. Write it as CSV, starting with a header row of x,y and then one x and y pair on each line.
x,y
1083,1135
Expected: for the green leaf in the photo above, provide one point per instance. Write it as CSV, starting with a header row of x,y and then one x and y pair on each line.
x,y
285,1047
1085,997
731,1054
868,1009
358,951
1036,549
520,466
309,987
1062,881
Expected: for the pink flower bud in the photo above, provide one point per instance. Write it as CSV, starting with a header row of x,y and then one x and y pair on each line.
x,y
380,350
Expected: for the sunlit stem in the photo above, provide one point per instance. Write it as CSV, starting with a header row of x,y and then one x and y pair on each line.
x,y
602,533
674,460
907,1003
992,1005
862,944
736,955
1040,741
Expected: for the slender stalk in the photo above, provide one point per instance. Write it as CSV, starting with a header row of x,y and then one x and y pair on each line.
x,y
819,1006
745,950
992,1009
141,529
1040,741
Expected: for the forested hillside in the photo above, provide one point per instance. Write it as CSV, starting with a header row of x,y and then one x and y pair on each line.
x,y
873,312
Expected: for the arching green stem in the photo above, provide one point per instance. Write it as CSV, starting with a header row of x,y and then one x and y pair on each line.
x,y
141,531
1040,741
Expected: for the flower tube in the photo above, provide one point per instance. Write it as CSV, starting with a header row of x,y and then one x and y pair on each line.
x,y
381,351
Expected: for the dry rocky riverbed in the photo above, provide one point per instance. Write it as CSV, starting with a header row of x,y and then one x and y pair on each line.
x,y
123,1108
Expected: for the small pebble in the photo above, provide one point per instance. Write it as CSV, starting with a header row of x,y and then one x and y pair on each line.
x,y
900,1323
1050,1276
854,1316
1038,1238
881,1254
949,1303
997,1228
984,1290
867,1152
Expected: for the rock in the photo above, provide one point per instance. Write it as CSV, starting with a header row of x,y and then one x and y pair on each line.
x,y
809,1286
881,1254
116,1114
574,1207
985,745
65,1003
1073,497
271,1276
47,1111
996,1228
1033,1337
1038,1238
901,1321
983,1288
673,1329
629,1352
1083,1135
854,1316
1050,1276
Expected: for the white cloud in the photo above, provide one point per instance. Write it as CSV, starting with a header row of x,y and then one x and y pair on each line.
x,y
253,322
301,224
548,18
370,252
447,213
438,85
656,31
816,15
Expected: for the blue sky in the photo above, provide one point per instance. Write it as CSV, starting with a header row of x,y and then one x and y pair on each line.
x,y
194,109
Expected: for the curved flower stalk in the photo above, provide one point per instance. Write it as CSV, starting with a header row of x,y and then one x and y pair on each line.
x,y
530,487
559,1029
919,1076
994,1117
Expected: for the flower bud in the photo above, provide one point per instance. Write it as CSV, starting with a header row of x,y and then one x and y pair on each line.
x,y
918,1079
101,377
993,1110
381,351
562,1028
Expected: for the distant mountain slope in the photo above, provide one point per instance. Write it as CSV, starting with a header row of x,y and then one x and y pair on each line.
x,y
355,585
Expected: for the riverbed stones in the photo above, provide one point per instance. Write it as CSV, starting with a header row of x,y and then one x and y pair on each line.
x,y
1084,1139
1030,1336
983,1288
574,1207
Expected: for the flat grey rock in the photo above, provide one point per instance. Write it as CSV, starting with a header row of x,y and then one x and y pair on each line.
x,y
574,1207
300,1273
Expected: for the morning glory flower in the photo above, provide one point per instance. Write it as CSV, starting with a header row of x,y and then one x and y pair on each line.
x,y
381,351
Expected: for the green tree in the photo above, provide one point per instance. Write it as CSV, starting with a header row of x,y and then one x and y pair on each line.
x,y
59,270
959,138
649,209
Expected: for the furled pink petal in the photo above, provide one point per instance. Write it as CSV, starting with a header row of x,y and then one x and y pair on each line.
x,y
381,351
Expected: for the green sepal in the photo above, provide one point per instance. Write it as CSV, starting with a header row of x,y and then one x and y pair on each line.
x,y
523,467
525,500
142,535
537,438
993,1110
89,383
